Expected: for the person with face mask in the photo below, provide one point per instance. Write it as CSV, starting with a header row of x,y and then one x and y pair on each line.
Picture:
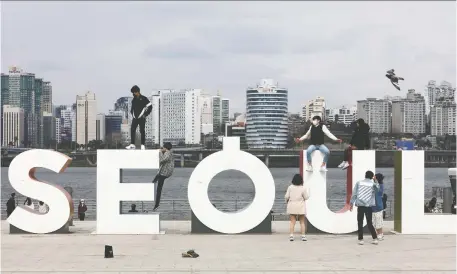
x,y
316,133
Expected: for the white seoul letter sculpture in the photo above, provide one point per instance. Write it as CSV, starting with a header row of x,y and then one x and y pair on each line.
x,y
318,213
21,175
409,198
111,191
231,158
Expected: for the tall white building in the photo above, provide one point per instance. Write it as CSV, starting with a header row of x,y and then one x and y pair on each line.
x,y
266,115
100,127
58,130
315,107
180,117
206,111
342,115
86,118
435,93
408,114
13,126
155,119
377,113
442,119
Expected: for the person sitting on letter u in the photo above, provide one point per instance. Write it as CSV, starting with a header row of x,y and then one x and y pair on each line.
x,y
316,134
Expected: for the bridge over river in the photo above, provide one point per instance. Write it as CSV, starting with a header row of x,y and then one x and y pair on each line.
x,y
190,157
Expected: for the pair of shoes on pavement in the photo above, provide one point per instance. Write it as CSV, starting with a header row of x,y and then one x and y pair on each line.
x,y
309,168
344,165
375,242
190,254
132,146
303,238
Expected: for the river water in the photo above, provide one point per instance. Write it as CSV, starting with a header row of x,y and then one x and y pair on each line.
x,y
224,189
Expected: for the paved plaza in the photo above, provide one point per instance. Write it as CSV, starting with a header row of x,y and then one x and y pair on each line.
x,y
82,252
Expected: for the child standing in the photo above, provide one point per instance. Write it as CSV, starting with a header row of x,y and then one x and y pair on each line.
x,y
296,196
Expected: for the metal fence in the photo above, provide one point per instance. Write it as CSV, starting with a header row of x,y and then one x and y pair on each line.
x,y
179,209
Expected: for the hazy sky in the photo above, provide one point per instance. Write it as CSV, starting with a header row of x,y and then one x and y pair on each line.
x,y
336,50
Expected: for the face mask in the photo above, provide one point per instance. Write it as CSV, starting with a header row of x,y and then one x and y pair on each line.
x,y
315,122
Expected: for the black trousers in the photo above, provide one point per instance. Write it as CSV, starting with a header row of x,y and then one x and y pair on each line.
x,y
368,212
135,123
82,215
159,179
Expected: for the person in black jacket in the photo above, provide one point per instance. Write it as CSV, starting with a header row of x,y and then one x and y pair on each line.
x,y
360,140
10,205
141,108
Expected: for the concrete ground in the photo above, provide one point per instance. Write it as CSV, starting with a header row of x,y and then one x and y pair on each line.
x,y
82,252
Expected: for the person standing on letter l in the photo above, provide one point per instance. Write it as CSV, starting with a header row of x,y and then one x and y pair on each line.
x,y
141,108
363,197
317,132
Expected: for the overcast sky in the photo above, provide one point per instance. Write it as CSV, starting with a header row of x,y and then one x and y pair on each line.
x,y
336,50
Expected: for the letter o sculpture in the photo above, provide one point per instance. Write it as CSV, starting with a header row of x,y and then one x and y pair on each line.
x,y
231,158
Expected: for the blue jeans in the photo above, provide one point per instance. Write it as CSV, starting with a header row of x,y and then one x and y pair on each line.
x,y
321,148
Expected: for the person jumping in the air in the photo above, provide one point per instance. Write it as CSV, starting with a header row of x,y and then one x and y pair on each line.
x,y
316,132
141,108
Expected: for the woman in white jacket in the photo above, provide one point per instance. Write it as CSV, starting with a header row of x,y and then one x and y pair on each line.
x,y
296,196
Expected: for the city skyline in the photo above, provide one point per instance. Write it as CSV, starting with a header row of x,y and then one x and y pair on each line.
x,y
198,45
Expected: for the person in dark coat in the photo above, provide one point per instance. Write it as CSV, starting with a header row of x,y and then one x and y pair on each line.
x,y
10,205
360,140
82,208
384,204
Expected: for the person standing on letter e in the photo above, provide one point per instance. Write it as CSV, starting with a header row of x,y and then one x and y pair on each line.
x,y
317,132
363,197
141,108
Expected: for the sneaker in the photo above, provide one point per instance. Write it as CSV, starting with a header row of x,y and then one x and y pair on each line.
x,y
303,238
342,164
360,242
323,169
291,238
375,241
143,147
345,166
155,208
309,168
381,237
132,146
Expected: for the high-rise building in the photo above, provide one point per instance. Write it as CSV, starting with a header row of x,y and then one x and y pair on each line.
x,y
123,104
217,112
377,113
435,93
113,122
58,130
125,132
13,126
408,114
206,114
266,115
443,118
225,113
48,137
180,117
86,118
100,127
342,115
315,107
155,119
46,97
